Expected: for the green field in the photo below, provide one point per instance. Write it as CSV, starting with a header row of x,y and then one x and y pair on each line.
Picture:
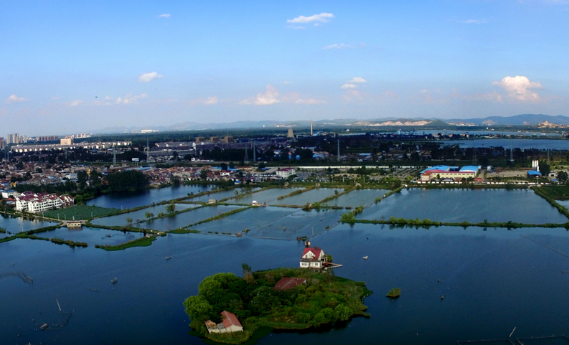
x,y
80,212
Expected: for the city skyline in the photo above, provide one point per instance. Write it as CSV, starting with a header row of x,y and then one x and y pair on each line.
x,y
77,67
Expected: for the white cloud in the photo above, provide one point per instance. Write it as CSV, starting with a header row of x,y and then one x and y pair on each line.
x,y
286,82
474,21
322,18
16,99
165,15
296,27
148,77
75,102
270,96
130,99
520,88
357,80
353,96
338,46
205,101
349,86
295,98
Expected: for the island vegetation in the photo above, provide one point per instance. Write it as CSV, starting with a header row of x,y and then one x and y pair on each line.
x,y
394,293
322,299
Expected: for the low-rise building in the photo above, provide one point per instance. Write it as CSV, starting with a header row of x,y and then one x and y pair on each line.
x,y
286,172
312,257
229,324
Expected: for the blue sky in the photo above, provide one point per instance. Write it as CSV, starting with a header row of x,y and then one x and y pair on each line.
x,y
72,66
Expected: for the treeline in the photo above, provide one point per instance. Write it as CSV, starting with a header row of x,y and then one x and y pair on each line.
x,y
130,180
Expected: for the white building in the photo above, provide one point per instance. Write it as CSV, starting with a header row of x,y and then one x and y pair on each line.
x,y
41,202
312,257
286,172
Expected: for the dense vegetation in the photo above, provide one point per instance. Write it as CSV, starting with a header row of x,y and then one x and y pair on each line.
x,y
130,180
324,299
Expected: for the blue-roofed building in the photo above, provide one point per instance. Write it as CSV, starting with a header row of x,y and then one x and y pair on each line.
x,y
534,173
473,168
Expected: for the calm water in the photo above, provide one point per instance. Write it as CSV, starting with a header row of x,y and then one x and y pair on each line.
x,y
268,196
458,205
540,144
363,197
311,196
146,197
275,222
14,225
493,280
120,219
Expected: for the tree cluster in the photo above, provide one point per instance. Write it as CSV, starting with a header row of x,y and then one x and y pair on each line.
x,y
130,180
254,300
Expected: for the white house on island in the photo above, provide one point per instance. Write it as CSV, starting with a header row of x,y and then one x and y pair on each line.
x,y
312,257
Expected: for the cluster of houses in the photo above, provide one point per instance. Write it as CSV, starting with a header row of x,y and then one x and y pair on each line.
x,y
40,202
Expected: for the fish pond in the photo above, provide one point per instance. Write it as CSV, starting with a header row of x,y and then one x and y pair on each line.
x,y
187,218
458,205
274,222
362,197
17,224
311,196
91,236
121,219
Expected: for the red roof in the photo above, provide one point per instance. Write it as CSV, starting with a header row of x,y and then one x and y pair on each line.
x,y
316,251
229,319
289,283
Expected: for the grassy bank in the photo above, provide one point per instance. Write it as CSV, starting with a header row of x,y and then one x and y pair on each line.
x,y
427,223
219,216
81,212
139,242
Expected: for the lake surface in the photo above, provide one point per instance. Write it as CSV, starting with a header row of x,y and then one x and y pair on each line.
x,y
362,197
17,224
540,144
146,197
120,219
493,281
458,205
275,223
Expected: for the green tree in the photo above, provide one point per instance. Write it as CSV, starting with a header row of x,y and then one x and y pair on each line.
x,y
203,174
149,215
544,168
562,176
171,207
82,179
127,181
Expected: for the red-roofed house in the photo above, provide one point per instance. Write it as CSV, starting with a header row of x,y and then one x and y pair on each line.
x,y
312,258
228,325
289,283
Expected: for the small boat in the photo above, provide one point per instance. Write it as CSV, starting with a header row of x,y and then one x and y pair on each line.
x,y
365,257
168,257
114,281
44,326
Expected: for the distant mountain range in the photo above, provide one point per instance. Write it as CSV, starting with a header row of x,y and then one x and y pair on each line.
x,y
523,119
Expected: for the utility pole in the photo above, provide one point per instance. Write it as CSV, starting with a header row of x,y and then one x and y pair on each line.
x,y
338,149
254,152
114,157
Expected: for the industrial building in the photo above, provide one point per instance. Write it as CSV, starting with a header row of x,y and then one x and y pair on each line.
x,y
449,172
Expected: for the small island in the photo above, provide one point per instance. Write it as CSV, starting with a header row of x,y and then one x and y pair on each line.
x,y
394,293
229,309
